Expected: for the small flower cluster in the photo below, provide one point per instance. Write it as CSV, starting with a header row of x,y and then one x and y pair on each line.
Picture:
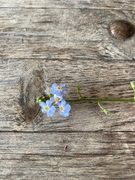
x,y
55,101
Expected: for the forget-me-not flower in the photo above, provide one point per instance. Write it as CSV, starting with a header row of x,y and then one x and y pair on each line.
x,y
48,91
56,99
47,108
64,108
59,90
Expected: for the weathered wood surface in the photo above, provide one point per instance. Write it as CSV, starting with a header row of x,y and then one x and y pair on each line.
x,y
48,41
88,155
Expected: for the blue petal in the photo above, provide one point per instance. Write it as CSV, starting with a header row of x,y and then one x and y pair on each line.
x,y
42,104
49,103
58,93
65,90
50,113
60,112
62,85
54,85
43,110
52,109
53,88
63,103
67,108
66,114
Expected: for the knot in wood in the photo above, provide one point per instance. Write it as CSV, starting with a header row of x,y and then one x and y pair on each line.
x,y
122,29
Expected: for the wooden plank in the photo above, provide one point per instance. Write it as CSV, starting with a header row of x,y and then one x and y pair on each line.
x,y
26,79
53,143
30,166
100,4
62,34
88,155
21,38
47,41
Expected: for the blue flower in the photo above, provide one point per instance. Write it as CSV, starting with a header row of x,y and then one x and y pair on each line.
x,y
56,99
64,108
59,90
47,108
48,91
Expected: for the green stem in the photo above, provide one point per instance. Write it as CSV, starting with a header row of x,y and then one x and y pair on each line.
x,y
103,109
100,105
80,95
100,100
134,95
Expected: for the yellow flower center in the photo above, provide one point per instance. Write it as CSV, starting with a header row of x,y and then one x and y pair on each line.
x,y
59,88
61,108
46,108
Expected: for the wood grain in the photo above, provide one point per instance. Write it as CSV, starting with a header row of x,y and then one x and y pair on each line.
x,y
47,41
97,78
69,4
62,34
89,155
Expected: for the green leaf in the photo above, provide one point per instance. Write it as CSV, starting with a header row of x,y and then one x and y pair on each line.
x,y
40,99
105,111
